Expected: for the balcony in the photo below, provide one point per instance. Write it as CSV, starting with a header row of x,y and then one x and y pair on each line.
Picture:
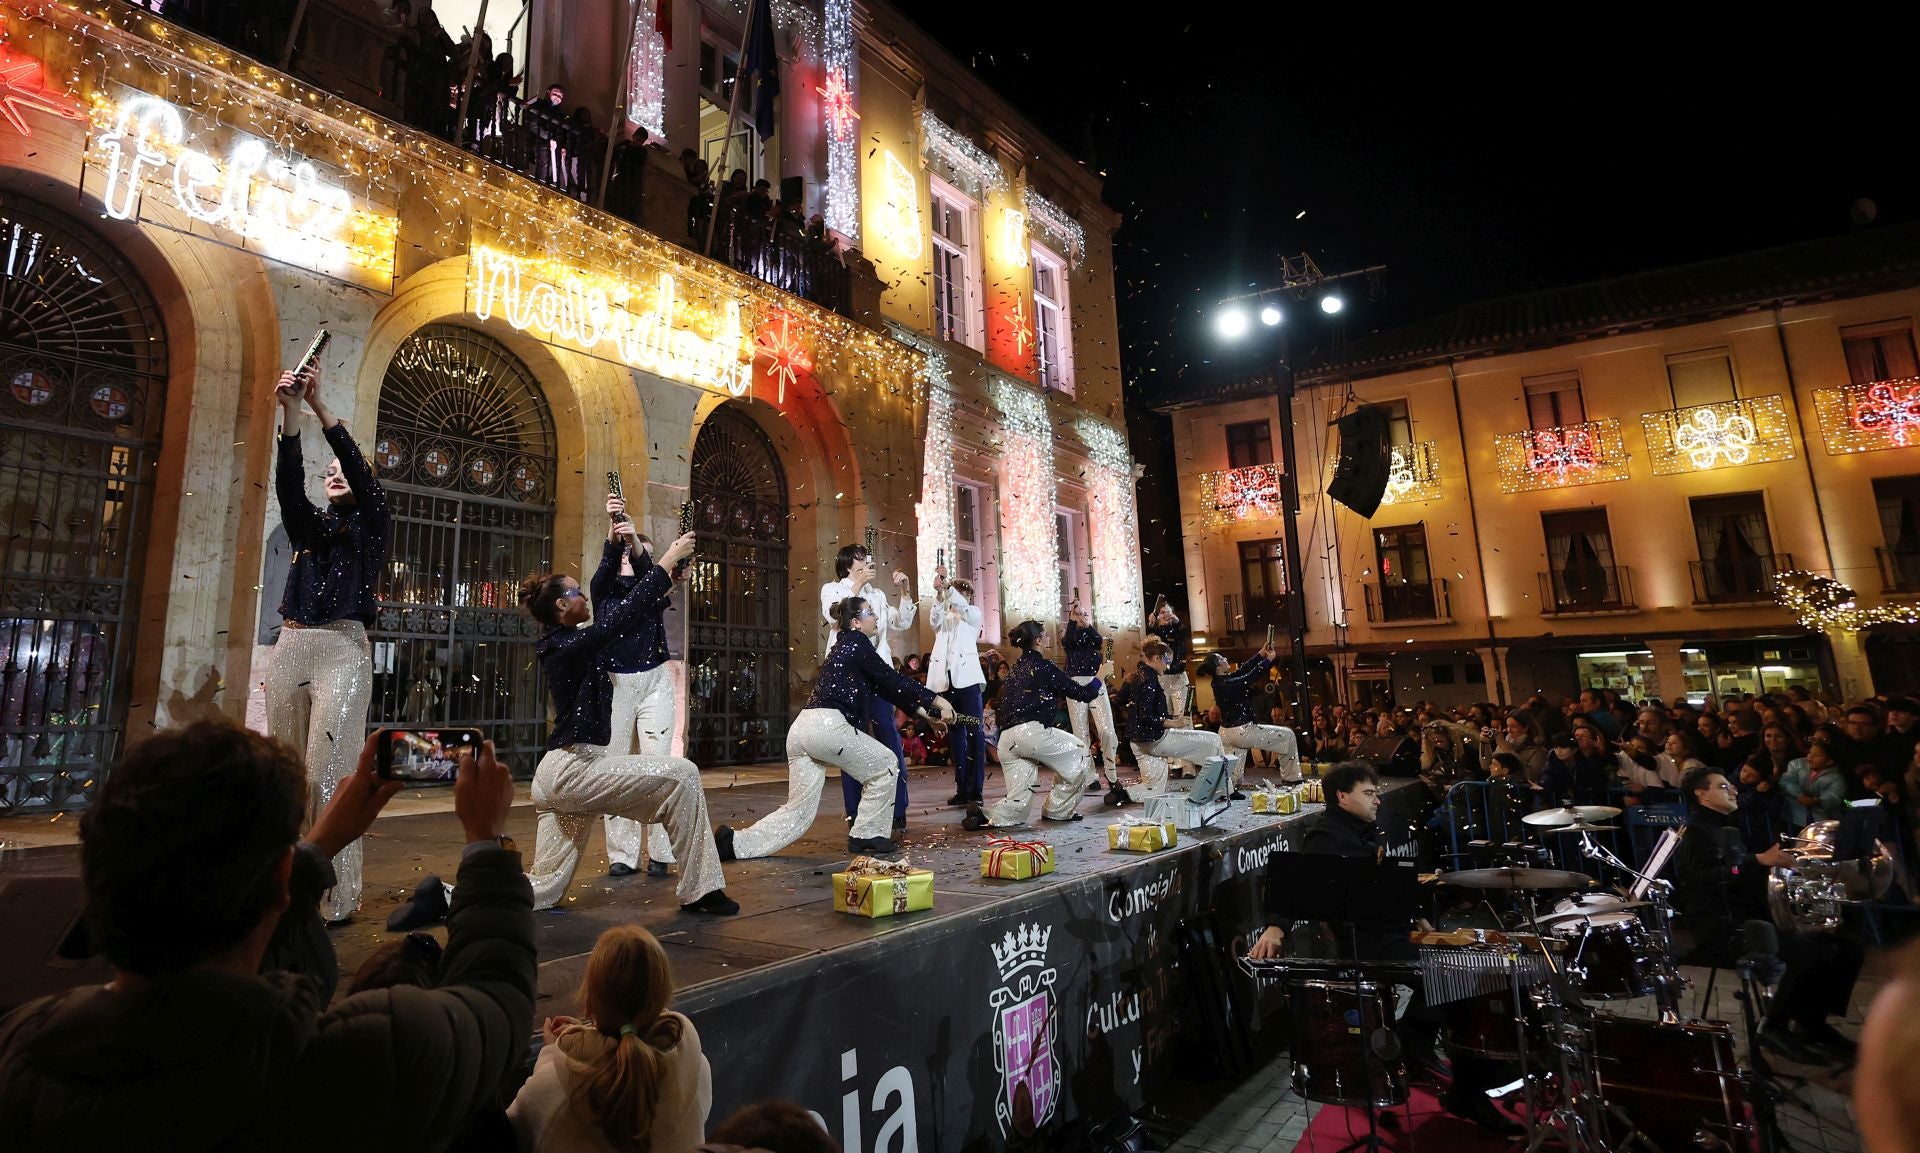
x,y
1725,434
1413,474
1587,590
1899,569
1869,417
1240,613
1239,494
1740,581
1409,602
1561,457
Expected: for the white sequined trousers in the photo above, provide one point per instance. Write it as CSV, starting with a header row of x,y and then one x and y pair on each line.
x,y
1276,739
1194,746
1175,686
1027,748
575,784
319,684
643,722
1101,709
817,737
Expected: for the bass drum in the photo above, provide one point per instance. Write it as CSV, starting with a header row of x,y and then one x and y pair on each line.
x,y
1486,1025
1344,1053
1678,1084
1610,956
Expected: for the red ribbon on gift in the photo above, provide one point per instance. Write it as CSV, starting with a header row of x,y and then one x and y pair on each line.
x,y
1001,846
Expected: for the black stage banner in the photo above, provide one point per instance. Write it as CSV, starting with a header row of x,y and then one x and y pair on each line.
x,y
1006,1027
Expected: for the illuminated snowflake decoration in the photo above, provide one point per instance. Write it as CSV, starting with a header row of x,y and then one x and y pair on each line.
x,y
1022,328
1890,408
836,102
22,86
1706,437
784,351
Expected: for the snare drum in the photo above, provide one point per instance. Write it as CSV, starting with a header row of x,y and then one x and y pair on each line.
x,y
1610,956
1336,1055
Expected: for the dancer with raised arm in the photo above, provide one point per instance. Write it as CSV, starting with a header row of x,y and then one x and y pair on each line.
x,y
1165,624
1085,649
1233,695
1029,700
829,731
955,671
855,568
644,713
320,680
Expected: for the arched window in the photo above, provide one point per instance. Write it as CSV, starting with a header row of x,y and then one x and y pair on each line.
x,y
83,361
465,447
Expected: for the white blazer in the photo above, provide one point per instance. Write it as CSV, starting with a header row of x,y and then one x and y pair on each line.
x,y
956,646
893,618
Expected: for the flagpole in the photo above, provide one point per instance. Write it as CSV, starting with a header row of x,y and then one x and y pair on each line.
x,y
733,116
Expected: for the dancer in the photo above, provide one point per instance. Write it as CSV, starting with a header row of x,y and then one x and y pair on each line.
x,y
955,671
1233,695
1165,624
320,681
1147,727
644,714
828,731
855,567
1084,646
1028,703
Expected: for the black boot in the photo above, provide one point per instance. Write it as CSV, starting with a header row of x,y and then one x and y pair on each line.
x,y
723,841
619,869
975,820
872,847
427,906
716,903
656,868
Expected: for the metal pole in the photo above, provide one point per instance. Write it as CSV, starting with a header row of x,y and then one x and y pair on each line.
x,y
624,62
473,64
733,117
293,33
1290,510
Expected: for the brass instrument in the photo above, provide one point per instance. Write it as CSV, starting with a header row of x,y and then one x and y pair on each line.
x,y
1811,894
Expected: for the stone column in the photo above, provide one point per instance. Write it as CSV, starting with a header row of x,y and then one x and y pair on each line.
x,y
1850,663
1669,670
1493,664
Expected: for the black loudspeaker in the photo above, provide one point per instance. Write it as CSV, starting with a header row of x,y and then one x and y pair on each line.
x,y
1393,755
792,188
1360,474
43,945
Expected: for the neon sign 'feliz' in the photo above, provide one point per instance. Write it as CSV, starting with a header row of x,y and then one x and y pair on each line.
x,y
567,310
1890,408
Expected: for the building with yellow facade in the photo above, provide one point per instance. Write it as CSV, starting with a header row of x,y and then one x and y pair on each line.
x,y
936,375
1591,486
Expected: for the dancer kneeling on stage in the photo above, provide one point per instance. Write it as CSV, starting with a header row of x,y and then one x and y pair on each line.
x,y
1029,700
1720,892
828,731
1233,696
1350,828
579,780
1147,728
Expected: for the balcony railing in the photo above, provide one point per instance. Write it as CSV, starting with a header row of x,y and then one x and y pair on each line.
x,y
1867,417
1413,474
1237,494
1753,430
1742,580
1537,458
1586,589
1899,569
1390,602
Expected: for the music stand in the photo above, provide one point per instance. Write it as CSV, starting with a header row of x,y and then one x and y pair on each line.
x,y
1318,887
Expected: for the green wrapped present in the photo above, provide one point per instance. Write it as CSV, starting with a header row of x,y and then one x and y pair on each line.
x,y
1138,836
874,888
1015,860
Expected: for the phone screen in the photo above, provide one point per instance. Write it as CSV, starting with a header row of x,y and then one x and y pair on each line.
x,y
424,754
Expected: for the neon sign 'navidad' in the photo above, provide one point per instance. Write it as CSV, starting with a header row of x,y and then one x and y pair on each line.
x,y
281,207
565,309
1890,408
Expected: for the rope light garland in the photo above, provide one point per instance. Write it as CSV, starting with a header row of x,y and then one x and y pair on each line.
x,y
934,510
1821,603
975,169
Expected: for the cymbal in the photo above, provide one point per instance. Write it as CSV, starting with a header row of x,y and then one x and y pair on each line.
x,y
1516,879
1570,814
1586,914
1583,827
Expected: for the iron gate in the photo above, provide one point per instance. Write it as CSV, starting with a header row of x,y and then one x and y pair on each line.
x,y
466,452
83,355
736,593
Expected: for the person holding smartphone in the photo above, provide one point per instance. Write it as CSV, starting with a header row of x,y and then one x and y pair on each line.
x,y
1085,649
320,680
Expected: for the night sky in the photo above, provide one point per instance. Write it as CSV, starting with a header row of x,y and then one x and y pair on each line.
x,y
1473,161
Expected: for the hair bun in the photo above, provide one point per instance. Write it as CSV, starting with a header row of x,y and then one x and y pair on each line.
x,y
530,588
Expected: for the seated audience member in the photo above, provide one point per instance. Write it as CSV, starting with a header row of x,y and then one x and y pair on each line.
x,y
775,1126
191,866
628,1076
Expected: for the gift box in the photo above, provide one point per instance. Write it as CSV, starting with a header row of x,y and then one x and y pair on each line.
x,y
875,888
1268,799
1310,792
1013,860
1182,811
1138,836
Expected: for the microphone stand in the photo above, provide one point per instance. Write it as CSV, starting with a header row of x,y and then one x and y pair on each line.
x,y
1667,981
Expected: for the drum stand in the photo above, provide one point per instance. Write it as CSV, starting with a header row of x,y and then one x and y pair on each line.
x,y
1574,1120
1667,982
1758,1081
1371,1140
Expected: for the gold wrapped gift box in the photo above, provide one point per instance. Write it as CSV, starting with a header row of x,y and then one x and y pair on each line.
x,y
1276,801
1142,837
1310,791
871,888
1012,860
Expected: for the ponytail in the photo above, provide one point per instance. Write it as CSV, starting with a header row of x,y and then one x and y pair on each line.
x,y
626,989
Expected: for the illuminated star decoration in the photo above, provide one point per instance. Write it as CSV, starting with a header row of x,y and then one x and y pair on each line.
x,y
1022,329
1705,438
22,86
836,99
786,354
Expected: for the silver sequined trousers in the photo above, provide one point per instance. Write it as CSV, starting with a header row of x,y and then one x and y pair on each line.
x,y
319,684
1276,739
1102,709
644,720
1027,748
573,785
817,737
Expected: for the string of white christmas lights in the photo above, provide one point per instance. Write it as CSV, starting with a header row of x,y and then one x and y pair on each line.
x,y
1056,226
839,102
647,73
934,509
974,168
1029,552
1118,602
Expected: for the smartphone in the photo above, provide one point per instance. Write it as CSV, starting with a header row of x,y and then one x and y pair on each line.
x,y
424,755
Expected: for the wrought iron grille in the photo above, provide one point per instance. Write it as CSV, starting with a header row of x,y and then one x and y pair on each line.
x,y
83,358
466,452
736,593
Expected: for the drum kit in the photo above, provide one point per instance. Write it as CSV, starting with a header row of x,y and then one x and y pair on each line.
x,y
1535,993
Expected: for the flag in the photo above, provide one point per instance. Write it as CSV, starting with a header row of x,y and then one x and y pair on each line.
x,y
663,22
763,66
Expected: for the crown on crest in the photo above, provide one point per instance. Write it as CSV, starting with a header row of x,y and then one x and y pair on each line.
x,y
1017,950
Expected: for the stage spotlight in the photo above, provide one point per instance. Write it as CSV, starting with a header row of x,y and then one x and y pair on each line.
x,y
1232,323
1331,303
1270,315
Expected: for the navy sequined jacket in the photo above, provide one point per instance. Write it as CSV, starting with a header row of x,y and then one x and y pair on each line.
x,y
338,550
1175,635
1033,690
853,671
1146,707
1082,643
574,660
646,646
1233,692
